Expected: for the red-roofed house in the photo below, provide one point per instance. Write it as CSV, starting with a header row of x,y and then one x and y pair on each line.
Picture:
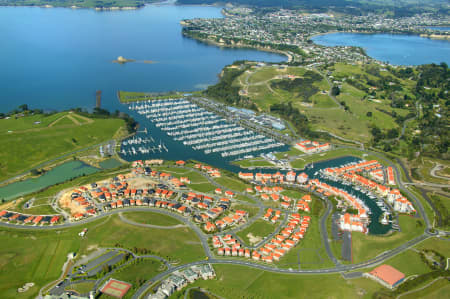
x,y
387,276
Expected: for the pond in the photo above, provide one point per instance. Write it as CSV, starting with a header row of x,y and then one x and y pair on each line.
x,y
59,174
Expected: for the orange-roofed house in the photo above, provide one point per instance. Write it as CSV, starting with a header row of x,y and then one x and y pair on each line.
x,y
229,193
256,256
209,227
387,276
290,176
180,163
29,219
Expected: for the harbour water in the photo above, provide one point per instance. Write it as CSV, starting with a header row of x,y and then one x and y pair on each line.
x,y
393,48
56,58
166,147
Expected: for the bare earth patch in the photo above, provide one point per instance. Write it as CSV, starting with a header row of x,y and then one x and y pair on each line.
x,y
253,239
66,201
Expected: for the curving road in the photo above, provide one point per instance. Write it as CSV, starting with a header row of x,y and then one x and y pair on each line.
x,y
210,259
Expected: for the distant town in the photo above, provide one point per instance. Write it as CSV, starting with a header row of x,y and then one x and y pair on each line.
x,y
280,30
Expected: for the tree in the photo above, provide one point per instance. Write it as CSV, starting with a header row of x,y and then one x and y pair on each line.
x,y
369,114
335,91
35,172
392,133
23,107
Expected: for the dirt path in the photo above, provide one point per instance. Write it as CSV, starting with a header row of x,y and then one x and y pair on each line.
x,y
417,290
72,118
438,167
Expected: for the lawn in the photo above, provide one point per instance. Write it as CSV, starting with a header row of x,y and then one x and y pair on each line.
x,y
38,256
260,228
202,187
151,218
409,263
178,244
242,282
194,177
320,109
332,154
28,145
365,247
137,273
81,288
428,209
424,167
264,96
252,210
339,122
33,256
294,194
254,162
232,183
439,245
310,251
438,289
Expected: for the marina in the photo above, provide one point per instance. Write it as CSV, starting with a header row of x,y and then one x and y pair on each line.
x,y
193,126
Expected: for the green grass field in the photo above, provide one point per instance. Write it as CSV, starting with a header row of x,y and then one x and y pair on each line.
x,y
232,183
428,209
254,162
365,247
243,282
439,245
137,273
409,263
26,145
320,109
260,228
332,154
38,256
310,251
258,85
81,288
438,289
151,218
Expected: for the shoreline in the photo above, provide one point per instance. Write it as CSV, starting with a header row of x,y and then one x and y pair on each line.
x,y
116,8
424,35
242,46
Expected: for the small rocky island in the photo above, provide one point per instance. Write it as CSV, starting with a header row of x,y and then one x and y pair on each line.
x,y
123,60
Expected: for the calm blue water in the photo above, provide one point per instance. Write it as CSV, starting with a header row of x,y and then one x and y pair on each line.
x,y
395,49
440,28
59,174
57,58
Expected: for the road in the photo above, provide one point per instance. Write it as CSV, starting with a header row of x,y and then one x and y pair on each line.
x,y
438,167
338,269
331,86
210,259
324,231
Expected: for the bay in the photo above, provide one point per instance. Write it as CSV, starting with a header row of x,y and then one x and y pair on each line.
x,y
57,58
393,48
